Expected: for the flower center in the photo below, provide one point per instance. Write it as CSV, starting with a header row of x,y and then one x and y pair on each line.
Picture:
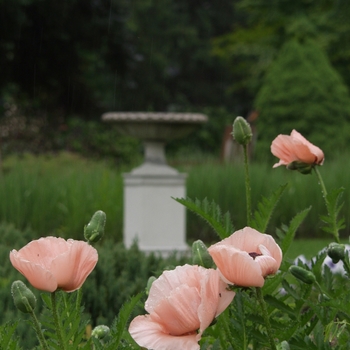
x,y
254,255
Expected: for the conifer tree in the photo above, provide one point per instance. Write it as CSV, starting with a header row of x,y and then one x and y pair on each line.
x,y
303,91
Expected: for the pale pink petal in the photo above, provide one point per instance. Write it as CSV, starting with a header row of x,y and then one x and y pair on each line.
x,y
168,281
246,239
151,335
73,266
237,266
179,311
181,302
281,147
269,247
49,263
316,151
303,153
37,276
209,297
249,239
214,297
295,148
267,264
225,297
42,250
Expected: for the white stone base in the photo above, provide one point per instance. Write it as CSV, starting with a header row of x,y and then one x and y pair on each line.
x,y
151,216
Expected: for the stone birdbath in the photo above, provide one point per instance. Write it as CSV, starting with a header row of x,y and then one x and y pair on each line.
x,y
151,216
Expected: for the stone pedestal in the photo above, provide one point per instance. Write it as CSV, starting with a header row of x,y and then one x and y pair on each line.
x,y
151,216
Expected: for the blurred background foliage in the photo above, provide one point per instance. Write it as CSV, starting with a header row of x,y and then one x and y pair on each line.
x,y
62,64
63,61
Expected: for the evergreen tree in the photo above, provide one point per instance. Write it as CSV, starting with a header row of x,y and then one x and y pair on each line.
x,y
303,91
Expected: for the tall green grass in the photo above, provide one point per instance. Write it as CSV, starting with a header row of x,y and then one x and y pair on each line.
x,y
225,185
58,194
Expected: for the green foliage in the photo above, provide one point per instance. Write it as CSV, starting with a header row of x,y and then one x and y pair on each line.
x,y
94,139
332,222
265,210
55,195
69,312
262,27
206,141
7,334
287,233
302,91
223,184
90,139
298,314
111,55
210,212
119,336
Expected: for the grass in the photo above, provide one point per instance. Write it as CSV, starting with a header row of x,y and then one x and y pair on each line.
x,y
225,185
308,247
57,195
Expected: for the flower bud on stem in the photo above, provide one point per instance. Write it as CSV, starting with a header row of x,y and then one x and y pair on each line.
x,y
25,301
200,255
302,274
336,252
94,231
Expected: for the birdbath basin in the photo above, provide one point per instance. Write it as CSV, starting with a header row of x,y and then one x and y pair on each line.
x,y
151,216
155,129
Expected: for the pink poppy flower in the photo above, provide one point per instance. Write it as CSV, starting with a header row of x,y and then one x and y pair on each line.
x,y
246,257
50,263
295,148
181,304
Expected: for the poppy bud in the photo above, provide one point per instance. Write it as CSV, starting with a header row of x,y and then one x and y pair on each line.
x,y
336,252
95,229
23,297
242,131
200,255
303,275
100,332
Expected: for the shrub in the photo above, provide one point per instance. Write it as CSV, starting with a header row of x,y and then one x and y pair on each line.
x,y
303,91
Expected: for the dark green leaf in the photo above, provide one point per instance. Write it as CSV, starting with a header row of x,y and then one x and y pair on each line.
x,y
211,213
265,210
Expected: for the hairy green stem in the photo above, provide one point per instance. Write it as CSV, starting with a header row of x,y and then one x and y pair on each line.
x,y
39,332
265,314
247,186
56,320
323,187
78,300
324,194
225,322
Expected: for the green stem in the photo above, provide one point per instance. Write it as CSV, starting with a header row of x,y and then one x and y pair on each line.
x,y
39,332
323,187
322,291
225,322
57,323
266,317
78,300
247,186
324,194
